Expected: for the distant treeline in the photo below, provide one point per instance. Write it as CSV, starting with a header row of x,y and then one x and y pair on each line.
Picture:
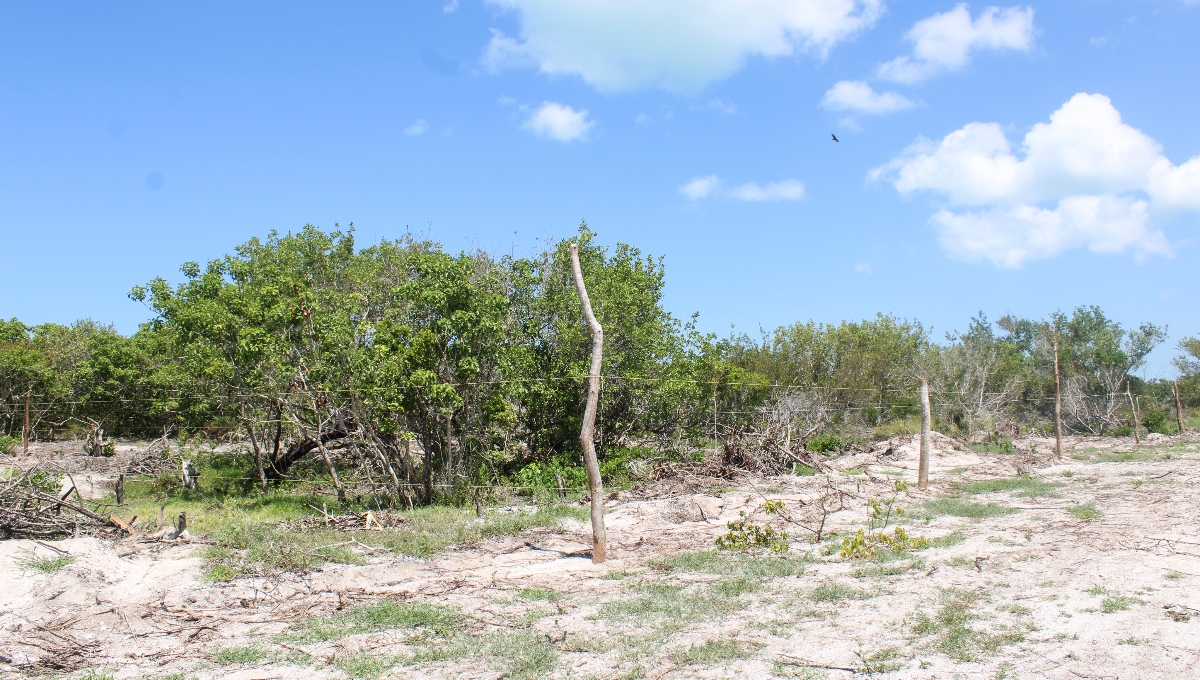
x,y
448,368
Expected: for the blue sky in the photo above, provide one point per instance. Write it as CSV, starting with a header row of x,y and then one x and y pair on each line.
x,y
1016,159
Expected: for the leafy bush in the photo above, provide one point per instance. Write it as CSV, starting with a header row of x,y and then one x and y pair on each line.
x,y
9,444
1155,420
828,441
1122,431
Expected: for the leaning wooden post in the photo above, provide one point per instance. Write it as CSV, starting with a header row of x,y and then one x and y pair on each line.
x,y
923,465
1178,406
1057,403
595,484
1133,407
25,430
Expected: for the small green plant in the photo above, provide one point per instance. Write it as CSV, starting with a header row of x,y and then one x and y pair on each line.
x,y
951,631
98,674
1068,473
864,545
536,594
1118,603
1133,641
1122,431
1084,511
744,535
45,565
1175,575
8,444
882,661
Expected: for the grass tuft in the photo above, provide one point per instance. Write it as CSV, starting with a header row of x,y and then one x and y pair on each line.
x,y
1084,511
427,618
710,653
44,565
951,630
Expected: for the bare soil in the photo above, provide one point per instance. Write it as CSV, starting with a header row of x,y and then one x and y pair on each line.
x,y
1055,588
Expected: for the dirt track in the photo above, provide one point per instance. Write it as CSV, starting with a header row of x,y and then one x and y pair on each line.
x,y
1036,593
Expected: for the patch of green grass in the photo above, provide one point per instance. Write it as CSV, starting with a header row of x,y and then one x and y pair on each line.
x,y
44,565
956,507
232,655
97,674
747,565
1068,473
710,653
364,666
951,539
1118,603
1175,575
218,573
837,592
804,470
884,660
1122,457
617,575
1084,511
516,653
951,631
1133,641
1024,485
538,594
889,569
387,615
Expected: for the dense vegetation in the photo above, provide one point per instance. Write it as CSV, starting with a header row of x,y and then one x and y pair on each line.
x,y
441,370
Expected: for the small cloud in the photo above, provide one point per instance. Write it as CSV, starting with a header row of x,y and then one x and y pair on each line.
x,y
1098,42
944,42
855,95
724,106
703,187
507,101
850,124
787,190
450,6
559,122
416,129
642,119
700,187
155,181
863,268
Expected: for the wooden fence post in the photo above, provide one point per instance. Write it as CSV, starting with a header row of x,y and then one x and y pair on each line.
x,y
586,435
923,464
1057,403
1133,407
1178,406
25,430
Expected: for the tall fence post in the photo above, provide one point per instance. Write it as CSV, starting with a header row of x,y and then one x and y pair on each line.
x,y
923,464
1137,438
586,436
25,431
1057,403
1178,406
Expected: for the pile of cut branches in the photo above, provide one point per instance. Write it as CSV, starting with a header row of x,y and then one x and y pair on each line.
x,y
762,452
353,521
30,507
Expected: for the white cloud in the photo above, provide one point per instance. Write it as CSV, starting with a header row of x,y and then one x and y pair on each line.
x,y
700,187
1087,179
724,106
703,187
944,42
855,95
787,190
450,6
416,129
559,121
678,45
863,268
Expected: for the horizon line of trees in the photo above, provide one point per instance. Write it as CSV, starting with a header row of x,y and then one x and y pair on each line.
x,y
441,370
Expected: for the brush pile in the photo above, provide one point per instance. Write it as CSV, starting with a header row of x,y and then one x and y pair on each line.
x,y
30,507
352,521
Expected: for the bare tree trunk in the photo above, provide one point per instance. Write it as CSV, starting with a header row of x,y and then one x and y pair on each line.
x,y
595,484
337,482
1133,407
1057,404
258,458
923,465
1178,407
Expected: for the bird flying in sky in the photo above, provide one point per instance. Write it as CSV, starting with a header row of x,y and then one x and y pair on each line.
x,y
834,137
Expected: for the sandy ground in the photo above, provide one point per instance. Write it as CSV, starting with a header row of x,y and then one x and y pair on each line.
x,y
1113,596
